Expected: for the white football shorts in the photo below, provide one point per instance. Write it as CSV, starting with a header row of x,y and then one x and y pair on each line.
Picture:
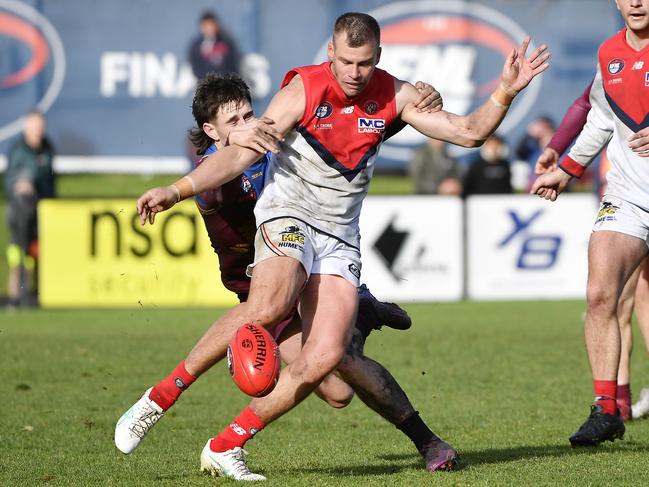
x,y
618,215
318,252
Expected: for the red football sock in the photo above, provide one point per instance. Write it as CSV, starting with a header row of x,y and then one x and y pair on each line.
x,y
244,427
168,390
624,393
605,395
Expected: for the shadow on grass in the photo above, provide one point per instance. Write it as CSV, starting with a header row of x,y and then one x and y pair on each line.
x,y
469,458
502,455
367,469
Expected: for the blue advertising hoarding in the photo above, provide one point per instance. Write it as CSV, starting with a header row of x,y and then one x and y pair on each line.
x,y
116,85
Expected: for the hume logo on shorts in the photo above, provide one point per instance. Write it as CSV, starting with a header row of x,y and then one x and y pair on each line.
x,y
607,212
457,47
32,67
292,237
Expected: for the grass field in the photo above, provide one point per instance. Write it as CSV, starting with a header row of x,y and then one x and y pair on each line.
x,y
505,383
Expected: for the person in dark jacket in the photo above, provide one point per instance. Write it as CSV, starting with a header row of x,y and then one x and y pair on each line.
x,y
489,173
28,179
213,50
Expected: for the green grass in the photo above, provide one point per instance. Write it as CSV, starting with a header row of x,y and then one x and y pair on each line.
x,y
119,185
505,383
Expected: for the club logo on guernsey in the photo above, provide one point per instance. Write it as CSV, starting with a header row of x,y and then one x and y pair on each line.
x,y
371,125
246,185
615,66
324,110
371,107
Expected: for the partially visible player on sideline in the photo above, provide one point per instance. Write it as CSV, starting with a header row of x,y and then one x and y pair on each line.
x,y
635,294
333,117
619,108
223,112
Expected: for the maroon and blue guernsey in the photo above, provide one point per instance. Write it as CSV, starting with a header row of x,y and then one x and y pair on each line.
x,y
230,223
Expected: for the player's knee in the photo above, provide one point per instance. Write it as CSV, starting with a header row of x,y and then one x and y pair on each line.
x,y
313,366
270,312
342,400
335,392
601,298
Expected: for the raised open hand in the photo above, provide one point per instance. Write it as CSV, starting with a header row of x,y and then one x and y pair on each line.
x,y
518,70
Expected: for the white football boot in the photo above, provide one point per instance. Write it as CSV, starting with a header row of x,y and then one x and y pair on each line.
x,y
136,423
230,463
641,408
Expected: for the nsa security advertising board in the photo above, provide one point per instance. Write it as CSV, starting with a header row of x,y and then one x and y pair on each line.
x,y
115,80
95,253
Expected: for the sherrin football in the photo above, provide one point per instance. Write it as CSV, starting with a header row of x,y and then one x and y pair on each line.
x,y
253,360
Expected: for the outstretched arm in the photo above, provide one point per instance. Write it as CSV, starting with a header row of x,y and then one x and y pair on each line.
x,y
473,129
285,109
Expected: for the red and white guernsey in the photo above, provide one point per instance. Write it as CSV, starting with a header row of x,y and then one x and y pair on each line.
x,y
322,172
620,107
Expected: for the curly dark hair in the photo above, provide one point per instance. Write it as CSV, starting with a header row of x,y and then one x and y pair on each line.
x,y
213,92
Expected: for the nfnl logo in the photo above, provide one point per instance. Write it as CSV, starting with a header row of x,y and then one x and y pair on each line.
x,y
38,65
615,66
457,46
371,125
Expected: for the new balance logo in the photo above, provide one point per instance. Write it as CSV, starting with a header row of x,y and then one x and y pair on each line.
x,y
237,429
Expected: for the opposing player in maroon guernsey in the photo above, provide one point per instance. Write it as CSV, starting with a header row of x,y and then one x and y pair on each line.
x,y
333,118
619,109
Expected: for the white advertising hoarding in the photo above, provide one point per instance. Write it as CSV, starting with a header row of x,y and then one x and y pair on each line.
x,y
412,248
523,247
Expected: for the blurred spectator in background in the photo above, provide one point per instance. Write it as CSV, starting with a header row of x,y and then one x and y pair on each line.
x,y
212,50
29,178
538,134
433,171
489,172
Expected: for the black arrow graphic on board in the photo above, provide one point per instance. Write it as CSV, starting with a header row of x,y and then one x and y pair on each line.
x,y
389,245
